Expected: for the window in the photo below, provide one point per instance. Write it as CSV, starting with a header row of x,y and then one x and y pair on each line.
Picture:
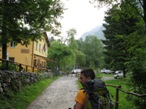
x,y
36,45
44,47
39,47
12,59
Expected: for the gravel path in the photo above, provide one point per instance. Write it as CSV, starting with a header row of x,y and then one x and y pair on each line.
x,y
59,95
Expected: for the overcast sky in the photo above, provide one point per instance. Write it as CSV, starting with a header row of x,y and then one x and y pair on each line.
x,y
82,16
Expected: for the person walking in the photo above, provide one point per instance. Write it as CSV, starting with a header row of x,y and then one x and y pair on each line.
x,y
86,75
94,94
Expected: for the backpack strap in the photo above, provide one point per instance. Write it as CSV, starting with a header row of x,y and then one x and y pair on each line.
x,y
86,103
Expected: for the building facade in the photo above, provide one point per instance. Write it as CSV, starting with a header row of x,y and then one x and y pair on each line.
x,y
33,55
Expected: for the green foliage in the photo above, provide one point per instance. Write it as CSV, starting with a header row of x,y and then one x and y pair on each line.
x,y
129,4
58,50
125,47
71,40
10,66
92,47
25,13
116,48
124,102
80,58
81,55
99,75
57,53
22,21
136,65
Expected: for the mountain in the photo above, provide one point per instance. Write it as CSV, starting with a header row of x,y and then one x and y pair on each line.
x,y
97,31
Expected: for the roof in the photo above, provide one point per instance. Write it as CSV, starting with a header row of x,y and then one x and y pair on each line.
x,y
47,39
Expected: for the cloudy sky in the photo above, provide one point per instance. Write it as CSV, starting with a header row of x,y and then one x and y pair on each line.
x,y
82,16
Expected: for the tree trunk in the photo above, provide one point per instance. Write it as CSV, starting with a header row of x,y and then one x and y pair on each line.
x,y
4,32
4,50
124,73
144,2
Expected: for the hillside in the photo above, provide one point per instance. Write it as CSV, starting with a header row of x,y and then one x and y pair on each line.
x,y
97,31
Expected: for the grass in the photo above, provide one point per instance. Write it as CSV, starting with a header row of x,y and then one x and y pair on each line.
x,y
107,75
25,96
123,102
100,75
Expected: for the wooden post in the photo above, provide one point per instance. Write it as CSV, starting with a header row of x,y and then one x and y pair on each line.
x,y
26,68
32,69
7,65
117,97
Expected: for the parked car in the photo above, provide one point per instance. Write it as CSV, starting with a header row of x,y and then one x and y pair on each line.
x,y
106,71
74,71
118,74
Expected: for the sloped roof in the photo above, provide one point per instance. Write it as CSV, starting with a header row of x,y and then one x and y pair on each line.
x,y
47,39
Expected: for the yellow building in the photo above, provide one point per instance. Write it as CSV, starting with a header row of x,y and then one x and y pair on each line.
x,y
34,55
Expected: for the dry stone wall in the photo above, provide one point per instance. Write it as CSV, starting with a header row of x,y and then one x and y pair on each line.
x,y
14,81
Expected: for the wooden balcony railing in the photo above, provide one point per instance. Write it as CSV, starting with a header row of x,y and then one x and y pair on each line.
x,y
8,64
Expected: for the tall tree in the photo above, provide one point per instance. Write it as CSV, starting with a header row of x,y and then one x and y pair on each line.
x,y
125,44
119,24
92,47
80,59
71,42
58,52
24,20
140,3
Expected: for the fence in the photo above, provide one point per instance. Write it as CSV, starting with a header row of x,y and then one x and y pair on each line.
x,y
20,67
119,88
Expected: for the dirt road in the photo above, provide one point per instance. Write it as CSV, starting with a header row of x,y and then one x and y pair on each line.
x,y
59,95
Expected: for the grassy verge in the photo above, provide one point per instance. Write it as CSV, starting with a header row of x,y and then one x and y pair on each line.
x,y
123,101
100,75
108,75
25,96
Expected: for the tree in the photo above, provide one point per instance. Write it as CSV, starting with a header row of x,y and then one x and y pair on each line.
x,y
58,52
136,64
119,24
140,3
92,47
80,59
125,45
71,42
24,20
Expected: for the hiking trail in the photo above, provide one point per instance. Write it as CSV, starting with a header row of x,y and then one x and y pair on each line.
x,y
59,95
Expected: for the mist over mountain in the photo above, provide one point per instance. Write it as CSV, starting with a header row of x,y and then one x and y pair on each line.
x,y
97,31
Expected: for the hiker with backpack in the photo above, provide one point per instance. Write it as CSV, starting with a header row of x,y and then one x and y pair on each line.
x,y
94,94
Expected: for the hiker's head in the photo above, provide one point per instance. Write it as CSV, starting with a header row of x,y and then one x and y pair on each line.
x,y
86,75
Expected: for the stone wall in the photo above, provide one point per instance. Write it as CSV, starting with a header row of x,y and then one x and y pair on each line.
x,y
14,81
